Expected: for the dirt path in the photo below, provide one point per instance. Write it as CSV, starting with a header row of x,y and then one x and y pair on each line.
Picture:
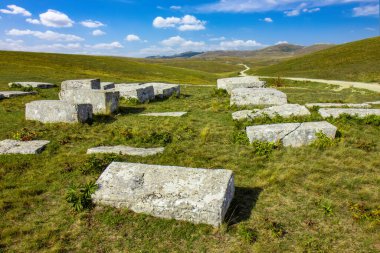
x,y
242,73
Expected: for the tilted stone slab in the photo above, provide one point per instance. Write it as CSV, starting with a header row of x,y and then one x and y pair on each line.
x,y
81,84
103,102
107,85
285,111
229,84
290,134
40,85
125,150
190,194
164,114
137,91
337,112
10,94
165,90
373,103
52,111
329,105
22,147
257,96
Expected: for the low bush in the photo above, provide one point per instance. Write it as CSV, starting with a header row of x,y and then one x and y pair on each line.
x,y
25,135
80,197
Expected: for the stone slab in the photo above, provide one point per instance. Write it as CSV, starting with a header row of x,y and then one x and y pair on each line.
x,y
257,96
329,105
191,194
40,85
14,93
229,84
1,96
53,111
81,84
290,134
164,90
125,150
373,103
107,85
103,102
22,147
137,91
337,112
285,111
164,114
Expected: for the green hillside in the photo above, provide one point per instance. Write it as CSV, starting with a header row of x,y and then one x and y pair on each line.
x,y
355,61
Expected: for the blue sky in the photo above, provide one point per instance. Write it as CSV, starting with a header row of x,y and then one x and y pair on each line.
x,y
156,27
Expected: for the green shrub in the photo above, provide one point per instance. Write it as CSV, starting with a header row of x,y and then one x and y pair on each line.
x,y
322,141
80,197
96,164
262,148
240,137
219,93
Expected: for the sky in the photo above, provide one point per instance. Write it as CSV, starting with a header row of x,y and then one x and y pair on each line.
x,y
140,28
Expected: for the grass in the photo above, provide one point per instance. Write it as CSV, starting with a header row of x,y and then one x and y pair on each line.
x,y
304,199
355,61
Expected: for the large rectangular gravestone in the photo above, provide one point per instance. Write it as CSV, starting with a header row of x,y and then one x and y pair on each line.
x,y
165,90
257,96
137,91
190,194
229,84
337,112
81,84
22,147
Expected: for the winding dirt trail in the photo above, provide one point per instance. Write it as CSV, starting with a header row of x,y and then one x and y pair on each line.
x,y
242,73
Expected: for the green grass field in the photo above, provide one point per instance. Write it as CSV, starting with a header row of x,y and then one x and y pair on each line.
x,y
308,199
355,61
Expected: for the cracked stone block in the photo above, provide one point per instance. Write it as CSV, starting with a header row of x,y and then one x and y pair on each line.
x,y
81,84
22,147
337,112
327,105
107,85
191,194
137,91
257,96
290,134
102,101
40,85
10,94
125,150
164,90
285,111
164,114
52,111
229,84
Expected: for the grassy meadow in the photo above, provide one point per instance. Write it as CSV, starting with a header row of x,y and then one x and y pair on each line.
x,y
319,198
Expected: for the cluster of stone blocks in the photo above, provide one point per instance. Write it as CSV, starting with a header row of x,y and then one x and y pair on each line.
x,y
147,91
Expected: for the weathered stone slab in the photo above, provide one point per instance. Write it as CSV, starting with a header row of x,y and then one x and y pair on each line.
x,y
137,91
336,112
81,84
164,90
373,103
51,111
125,150
285,111
13,93
1,96
164,114
103,102
328,105
257,96
229,84
40,85
107,85
190,194
290,134
22,147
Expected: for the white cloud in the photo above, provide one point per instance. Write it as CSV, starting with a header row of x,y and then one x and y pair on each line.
x,y
33,21
98,32
132,37
281,42
106,46
175,7
239,44
181,42
311,10
292,13
18,45
186,23
53,18
16,10
218,39
92,24
268,20
368,10
48,35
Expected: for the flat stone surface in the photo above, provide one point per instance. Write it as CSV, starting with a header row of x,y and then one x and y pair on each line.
x,y
11,93
137,91
229,84
40,85
257,96
373,103
107,85
336,112
81,84
327,105
22,147
290,134
164,114
164,90
285,111
191,194
125,150
52,111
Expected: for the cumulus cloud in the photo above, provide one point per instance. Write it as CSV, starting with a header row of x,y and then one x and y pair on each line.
x,y
292,13
281,42
16,10
18,45
240,44
53,18
181,42
92,24
268,20
368,10
132,37
33,21
98,32
186,23
106,46
48,35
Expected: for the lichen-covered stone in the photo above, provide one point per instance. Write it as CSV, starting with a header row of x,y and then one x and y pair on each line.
x,y
52,111
137,91
81,84
14,93
229,84
328,105
190,194
285,111
40,85
164,90
257,96
22,147
125,150
337,112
